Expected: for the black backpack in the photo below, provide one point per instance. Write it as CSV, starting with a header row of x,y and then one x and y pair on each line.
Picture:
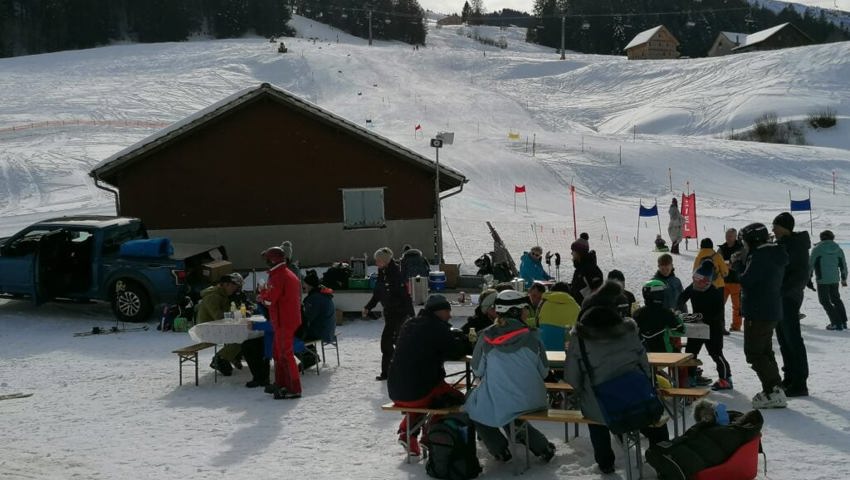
x,y
336,277
451,448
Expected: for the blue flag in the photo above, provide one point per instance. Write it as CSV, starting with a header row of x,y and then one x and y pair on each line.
x,y
801,205
648,212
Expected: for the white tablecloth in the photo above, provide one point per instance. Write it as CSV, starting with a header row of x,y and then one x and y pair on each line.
x,y
225,331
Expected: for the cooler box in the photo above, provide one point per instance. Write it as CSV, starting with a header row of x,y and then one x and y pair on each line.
x,y
373,280
418,290
437,281
358,284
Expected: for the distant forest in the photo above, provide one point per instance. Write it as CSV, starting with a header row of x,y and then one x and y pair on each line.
x,y
37,26
594,26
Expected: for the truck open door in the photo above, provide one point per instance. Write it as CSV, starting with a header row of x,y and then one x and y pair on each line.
x,y
48,265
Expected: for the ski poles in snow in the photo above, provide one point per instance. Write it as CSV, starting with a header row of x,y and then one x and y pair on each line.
x,y
557,266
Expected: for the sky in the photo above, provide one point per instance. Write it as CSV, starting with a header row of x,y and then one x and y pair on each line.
x,y
449,6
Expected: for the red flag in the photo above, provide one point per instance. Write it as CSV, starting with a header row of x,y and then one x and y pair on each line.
x,y
418,127
519,188
689,214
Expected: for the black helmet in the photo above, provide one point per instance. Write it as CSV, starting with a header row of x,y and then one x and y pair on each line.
x,y
653,292
755,234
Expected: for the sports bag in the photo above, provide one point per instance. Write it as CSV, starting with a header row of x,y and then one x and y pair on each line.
x,y
628,402
451,448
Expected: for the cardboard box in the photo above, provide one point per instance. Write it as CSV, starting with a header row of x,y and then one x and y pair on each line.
x,y
452,271
216,269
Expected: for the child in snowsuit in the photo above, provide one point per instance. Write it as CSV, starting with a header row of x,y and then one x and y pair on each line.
x,y
707,299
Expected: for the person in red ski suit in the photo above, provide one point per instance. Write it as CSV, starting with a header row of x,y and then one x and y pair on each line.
x,y
282,297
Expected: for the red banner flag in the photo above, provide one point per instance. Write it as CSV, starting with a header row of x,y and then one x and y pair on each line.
x,y
689,214
417,127
519,188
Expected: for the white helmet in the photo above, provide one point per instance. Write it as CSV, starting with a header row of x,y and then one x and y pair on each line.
x,y
508,299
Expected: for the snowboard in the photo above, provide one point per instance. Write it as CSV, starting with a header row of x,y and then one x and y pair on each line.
x,y
10,396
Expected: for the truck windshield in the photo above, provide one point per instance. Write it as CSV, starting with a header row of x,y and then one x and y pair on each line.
x,y
115,236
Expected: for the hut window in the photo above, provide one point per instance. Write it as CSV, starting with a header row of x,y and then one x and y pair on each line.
x,y
363,208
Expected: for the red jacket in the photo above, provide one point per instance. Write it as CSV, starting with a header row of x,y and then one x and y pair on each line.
x,y
282,296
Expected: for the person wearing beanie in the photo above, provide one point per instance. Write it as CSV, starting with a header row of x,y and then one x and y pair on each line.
x,y
674,228
216,300
282,298
531,266
612,346
795,363
416,374
731,282
707,299
391,290
829,267
761,305
509,357
319,311
627,309
706,252
587,277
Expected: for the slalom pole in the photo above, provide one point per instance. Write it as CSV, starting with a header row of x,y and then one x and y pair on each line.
x,y
610,245
657,215
446,222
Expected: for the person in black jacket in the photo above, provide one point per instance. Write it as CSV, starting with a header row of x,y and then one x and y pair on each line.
x,y
794,359
391,291
587,276
706,299
732,284
761,302
484,316
416,373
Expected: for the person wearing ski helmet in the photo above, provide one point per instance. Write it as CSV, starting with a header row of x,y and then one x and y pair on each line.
x,y
654,320
761,303
509,357
282,297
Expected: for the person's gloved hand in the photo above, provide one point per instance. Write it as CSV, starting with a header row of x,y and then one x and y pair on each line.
x,y
811,286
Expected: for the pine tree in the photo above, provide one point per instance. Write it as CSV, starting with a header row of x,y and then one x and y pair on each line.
x,y
465,12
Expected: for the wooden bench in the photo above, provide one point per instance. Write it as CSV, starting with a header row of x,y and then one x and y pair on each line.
x,y
427,412
679,398
190,354
320,344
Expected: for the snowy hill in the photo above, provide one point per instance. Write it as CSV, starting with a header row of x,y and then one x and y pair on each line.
x,y
622,132
836,11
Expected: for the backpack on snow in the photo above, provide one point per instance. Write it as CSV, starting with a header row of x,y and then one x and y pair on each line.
x,y
451,448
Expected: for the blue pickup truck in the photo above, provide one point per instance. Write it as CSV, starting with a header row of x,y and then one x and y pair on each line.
x,y
79,258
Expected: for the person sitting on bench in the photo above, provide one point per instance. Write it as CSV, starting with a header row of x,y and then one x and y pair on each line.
x,y
613,346
416,374
215,301
509,357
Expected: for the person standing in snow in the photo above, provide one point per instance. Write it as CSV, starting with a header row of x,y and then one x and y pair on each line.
x,y
674,228
391,291
707,299
794,359
531,266
827,263
761,301
282,297
667,274
731,283
587,277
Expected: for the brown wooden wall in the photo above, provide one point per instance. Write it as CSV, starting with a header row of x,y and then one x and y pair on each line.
x,y
266,164
786,38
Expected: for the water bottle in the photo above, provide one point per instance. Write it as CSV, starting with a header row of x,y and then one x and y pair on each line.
x,y
473,335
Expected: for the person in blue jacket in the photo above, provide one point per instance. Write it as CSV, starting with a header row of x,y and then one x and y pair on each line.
x,y
511,361
531,266
318,319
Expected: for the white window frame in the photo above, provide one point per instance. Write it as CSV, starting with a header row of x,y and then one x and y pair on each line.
x,y
351,224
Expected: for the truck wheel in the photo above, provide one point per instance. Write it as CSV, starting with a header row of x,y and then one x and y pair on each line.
x,y
130,302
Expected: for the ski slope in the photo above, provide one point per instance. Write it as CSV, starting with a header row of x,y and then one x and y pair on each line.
x,y
622,132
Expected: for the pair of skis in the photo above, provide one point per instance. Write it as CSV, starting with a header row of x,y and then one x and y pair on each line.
x,y
10,396
106,331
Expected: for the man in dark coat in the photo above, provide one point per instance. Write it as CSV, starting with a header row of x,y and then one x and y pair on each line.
x,y
761,303
587,277
794,359
391,291
413,263
416,374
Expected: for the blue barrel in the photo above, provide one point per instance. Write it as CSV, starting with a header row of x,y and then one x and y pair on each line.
x,y
373,280
437,281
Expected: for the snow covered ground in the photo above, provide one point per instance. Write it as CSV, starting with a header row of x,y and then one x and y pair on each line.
x,y
109,406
